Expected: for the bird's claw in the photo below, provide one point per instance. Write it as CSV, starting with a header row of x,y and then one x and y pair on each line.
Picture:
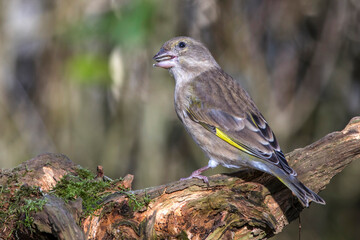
x,y
199,176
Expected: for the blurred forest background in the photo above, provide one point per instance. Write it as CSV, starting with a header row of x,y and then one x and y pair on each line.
x,y
76,77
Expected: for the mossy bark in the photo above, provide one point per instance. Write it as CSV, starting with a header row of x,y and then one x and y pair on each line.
x,y
242,205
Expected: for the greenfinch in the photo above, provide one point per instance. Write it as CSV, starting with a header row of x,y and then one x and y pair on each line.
x,y
222,118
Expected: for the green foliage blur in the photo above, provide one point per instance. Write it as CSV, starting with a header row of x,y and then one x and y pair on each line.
x,y
128,26
88,69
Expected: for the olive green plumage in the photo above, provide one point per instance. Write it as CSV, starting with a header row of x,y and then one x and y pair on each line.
x,y
222,118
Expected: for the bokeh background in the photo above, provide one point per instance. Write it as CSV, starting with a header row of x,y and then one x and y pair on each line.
x,y
76,77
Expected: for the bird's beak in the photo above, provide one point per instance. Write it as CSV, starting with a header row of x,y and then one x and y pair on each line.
x,y
165,59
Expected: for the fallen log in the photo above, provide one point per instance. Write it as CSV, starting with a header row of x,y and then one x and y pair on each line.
x,y
242,205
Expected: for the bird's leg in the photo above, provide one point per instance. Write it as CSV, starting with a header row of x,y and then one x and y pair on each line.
x,y
197,174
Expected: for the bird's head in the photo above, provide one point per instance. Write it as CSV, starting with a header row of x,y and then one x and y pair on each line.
x,y
184,55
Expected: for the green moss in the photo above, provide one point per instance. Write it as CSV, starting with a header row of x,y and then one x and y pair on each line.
x,y
137,203
85,173
18,203
26,210
17,208
83,185
12,178
4,202
92,191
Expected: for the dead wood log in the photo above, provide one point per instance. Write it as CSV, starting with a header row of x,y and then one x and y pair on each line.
x,y
242,205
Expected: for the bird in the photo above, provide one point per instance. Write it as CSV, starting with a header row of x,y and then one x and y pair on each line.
x,y
222,118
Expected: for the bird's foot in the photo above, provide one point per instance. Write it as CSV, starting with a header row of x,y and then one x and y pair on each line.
x,y
197,174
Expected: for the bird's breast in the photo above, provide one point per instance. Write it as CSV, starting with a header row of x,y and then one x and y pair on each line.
x,y
214,147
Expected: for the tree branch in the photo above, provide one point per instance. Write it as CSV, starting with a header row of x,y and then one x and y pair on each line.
x,y
241,205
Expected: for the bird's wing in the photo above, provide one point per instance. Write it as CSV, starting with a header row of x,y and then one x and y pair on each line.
x,y
247,130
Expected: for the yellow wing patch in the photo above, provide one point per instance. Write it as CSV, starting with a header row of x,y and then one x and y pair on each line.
x,y
224,137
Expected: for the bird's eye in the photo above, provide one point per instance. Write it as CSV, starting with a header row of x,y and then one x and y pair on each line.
x,y
182,44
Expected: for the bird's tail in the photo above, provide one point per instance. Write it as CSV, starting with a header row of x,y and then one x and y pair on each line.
x,y
304,194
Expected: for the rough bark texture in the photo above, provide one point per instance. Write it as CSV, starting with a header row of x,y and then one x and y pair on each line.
x,y
242,205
